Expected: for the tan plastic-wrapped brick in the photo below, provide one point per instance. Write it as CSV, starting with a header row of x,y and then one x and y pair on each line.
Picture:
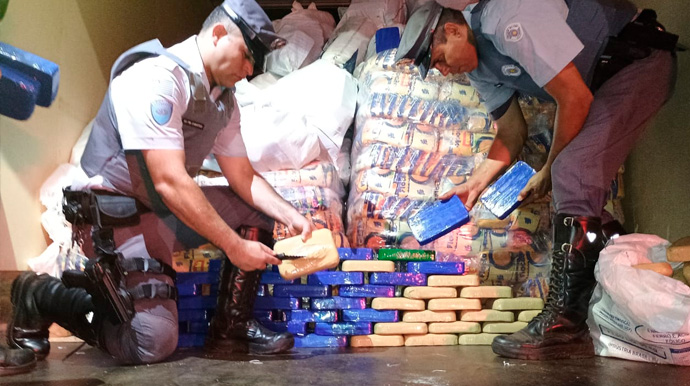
x,y
368,266
487,316
455,328
660,268
431,340
430,292
482,339
679,250
453,281
454,304
403,304
486,292
400,328
319,254
503,328
377,341
516,304
527,315
429,316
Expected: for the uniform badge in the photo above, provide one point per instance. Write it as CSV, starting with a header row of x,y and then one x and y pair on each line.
x,y
511,70
513,32
161,111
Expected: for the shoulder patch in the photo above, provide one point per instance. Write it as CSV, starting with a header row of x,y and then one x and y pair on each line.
x,y
511,70
161,111
513,32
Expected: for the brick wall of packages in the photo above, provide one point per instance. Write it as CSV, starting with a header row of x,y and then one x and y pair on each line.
x,y
386,297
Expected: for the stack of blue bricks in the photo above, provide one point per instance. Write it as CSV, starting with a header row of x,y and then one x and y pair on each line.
x,y
320,310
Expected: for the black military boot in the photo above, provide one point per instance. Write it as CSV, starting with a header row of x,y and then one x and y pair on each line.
x,y
39,301
233,327
560,330
16,361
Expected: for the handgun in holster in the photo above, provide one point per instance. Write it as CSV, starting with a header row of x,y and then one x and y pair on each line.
x,y
103,276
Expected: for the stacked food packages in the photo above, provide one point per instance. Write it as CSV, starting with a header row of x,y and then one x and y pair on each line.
x,y
416,138
317,192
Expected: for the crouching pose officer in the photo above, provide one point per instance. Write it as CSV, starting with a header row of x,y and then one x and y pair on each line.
x,y
609,67
164,112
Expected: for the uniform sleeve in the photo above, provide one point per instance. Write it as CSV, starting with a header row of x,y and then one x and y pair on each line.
x,y
229,142
149,100
534,33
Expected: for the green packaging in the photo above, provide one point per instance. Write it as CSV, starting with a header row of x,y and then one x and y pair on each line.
x,y
406,255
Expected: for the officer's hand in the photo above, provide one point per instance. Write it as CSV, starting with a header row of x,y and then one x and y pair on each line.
x,y
300,225
252,256
537,187
468,193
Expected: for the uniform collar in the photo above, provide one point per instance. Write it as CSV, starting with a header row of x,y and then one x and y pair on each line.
x,y
188,51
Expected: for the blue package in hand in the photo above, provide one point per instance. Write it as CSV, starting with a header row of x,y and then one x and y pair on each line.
x,y
438,219
501,198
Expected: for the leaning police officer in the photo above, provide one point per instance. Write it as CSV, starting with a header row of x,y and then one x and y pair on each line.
x,y
609,67
164,112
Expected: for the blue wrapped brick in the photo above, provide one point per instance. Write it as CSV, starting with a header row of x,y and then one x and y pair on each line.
x,y
193,327
437,219
291,327
311,291
338,303
356,253
194,315
398,278
43,72
214,265
370,315
196,302
335,278
313,340
367,291
437,268
196,278
263,290
313,316
349,328
501,197
18,93
191,340
189,289
270,277
273,303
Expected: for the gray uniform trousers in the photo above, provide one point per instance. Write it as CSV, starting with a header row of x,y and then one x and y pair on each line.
x,y
622,107
151,336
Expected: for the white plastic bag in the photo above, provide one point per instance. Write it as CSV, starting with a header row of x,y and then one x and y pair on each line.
x,y
639,314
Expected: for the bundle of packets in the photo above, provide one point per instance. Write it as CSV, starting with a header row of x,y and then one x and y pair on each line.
x,y
317,192
198,295
389,297
415,139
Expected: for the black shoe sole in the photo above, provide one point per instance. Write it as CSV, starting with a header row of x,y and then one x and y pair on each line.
x,y
230,346
15,296
562,351
13,370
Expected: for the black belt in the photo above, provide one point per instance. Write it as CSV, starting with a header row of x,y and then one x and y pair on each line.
x,y
636,41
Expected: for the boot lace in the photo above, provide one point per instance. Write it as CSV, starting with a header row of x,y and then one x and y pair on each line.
x,y
554,300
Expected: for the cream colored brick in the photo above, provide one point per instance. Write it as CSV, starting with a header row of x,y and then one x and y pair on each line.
x,y
503,328
429,316
404,304
455,328
517,304
482,339
527,315
377,340
399,328
487,316
368,266
455,304
453,280
431,340
485,292
430,292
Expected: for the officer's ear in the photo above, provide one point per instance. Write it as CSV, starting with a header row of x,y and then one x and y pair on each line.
x,y
217,32
456,30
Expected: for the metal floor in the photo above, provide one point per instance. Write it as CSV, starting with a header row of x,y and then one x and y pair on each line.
x,y
450,365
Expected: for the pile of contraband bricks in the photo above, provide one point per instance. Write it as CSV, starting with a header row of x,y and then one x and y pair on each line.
x,y
389,297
